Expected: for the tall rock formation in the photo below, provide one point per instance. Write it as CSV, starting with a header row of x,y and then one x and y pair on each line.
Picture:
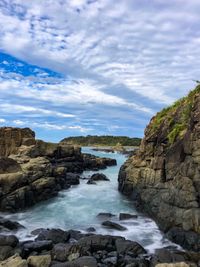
x,y
163,178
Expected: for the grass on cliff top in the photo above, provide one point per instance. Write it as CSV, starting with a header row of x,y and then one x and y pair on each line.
x,y
168,116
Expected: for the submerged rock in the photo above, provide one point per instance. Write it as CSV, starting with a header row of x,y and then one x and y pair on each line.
x,y
127,216
114,225
99,177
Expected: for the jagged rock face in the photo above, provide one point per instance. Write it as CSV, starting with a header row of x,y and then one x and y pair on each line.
x,y
164,178
32,170
12,138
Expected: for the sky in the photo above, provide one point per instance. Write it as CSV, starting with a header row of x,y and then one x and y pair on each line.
x,y
84,67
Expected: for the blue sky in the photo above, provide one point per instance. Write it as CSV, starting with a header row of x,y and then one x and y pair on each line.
x,y
84,67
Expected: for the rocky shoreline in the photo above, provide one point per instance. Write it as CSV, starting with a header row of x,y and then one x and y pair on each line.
x,y
73,248
32,170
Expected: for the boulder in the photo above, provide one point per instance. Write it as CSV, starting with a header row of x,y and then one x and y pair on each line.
x,y
127,216
10,225
8,240
54,235
35,246
67,252
131,247
97,242
99,177
14,261
6,252
114,225
39,261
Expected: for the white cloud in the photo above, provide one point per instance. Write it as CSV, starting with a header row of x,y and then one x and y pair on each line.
x,y
2,120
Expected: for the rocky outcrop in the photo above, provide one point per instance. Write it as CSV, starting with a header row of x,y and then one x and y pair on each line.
x,y
32,170
163,178
12,138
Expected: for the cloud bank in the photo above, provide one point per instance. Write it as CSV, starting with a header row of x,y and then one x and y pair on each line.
x,y
94,67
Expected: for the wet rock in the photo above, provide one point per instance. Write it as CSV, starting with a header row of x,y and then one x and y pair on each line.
x,y
113,225
67,252
110,261
36,246
127,216
55,235
14,261
10,225
91,182
126,246
72,178
39,261
173,256
91,229
74,234
8,240
86,261
99,177
95,163
97,242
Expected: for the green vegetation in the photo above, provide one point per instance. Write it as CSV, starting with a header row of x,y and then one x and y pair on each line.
x,y
105,140
176,117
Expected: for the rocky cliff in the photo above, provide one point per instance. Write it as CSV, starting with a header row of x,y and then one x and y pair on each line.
x,y
163,178
32,170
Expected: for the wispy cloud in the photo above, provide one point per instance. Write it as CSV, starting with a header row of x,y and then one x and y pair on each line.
x,y
82,60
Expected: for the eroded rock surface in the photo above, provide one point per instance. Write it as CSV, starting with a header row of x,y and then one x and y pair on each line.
x,y
32,170
163,178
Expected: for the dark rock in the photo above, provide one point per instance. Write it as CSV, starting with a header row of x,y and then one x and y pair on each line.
x,y
127,246
167,256
114,225
38,246
85,261
8,240
95,243
188,239
55,235
91,229
91,182
6,252
110,261
10,225
72,178
99,177
67,252
127,216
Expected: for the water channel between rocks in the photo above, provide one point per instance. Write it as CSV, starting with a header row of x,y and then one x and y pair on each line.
x,y
77,208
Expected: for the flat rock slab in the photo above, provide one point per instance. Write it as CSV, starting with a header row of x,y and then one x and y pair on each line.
x,y
113,225
127,216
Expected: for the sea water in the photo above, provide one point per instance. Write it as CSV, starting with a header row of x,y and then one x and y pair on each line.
x,y
77,208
